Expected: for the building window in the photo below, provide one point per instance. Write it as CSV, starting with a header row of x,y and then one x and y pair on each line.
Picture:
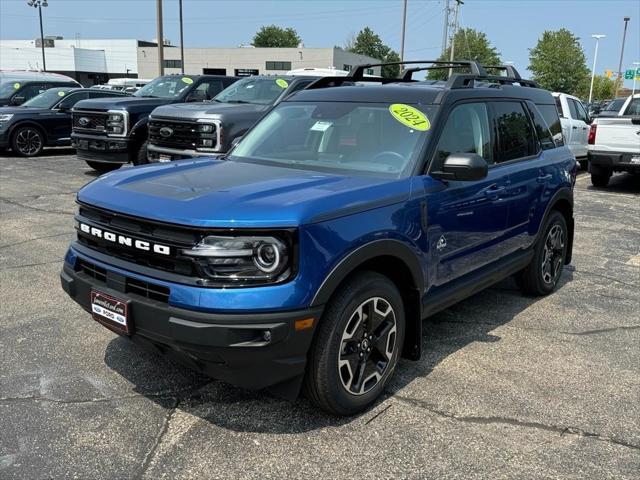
x,y
347,67
278,66
172,64
369,71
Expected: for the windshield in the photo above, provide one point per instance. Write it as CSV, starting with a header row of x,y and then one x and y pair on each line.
x,y
367,138
47,99
165,87
615,105
7,88
262,91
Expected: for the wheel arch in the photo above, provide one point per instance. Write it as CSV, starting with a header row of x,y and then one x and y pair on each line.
x,y
398,262
30,123
562,201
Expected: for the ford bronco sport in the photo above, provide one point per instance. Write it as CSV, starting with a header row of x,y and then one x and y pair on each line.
x,y
311,253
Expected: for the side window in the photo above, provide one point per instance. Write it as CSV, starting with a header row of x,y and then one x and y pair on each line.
x,y
206,90
582,114
70,100
572,108
633,108
32,90
550,115
559,105
300,85
467,130
515,137
542,130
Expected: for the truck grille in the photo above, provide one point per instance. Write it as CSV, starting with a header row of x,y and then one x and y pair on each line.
x,y
179,135
89,121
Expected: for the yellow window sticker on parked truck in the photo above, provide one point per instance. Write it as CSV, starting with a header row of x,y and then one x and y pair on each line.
x,y
16,85
409,116
187,80
282,83
61,93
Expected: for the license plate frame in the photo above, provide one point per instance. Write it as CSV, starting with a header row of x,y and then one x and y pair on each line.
x,y
163,158
110,311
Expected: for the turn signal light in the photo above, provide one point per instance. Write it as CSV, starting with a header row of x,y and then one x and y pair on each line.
x,y
304,324
592,134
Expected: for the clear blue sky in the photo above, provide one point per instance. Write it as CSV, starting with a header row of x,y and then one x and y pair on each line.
x,y
513,26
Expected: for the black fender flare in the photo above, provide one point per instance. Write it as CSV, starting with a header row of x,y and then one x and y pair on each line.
x,y
377,248
139,129
564,193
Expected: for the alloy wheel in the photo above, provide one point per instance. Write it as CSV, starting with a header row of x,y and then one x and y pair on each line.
x,y
28,141
553,255
367,346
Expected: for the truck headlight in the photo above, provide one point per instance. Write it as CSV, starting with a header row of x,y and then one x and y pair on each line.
x,y
243,259
116,123
206,128
5,117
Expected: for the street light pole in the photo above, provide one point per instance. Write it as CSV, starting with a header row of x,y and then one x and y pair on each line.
x,y
39,4
404,25
595,59
160,39
181,39
624,37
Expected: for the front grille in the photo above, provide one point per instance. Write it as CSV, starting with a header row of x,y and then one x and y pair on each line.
x,y
176,238
90,121
177,134
141,288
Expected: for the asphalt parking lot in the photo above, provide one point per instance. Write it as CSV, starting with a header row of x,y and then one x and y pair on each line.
x,y
509,386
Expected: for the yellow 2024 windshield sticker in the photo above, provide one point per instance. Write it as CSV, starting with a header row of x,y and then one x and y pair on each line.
x,y
409,116
282,83
16,86
187,80
61,93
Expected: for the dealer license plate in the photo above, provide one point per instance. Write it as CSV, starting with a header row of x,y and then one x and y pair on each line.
x,y
164,158
635,159
110,311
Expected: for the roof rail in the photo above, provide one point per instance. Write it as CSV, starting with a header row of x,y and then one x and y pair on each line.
x,y
466,81
510,69
358,72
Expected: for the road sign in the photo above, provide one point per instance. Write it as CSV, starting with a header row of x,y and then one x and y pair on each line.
x,y
638,71
608,73
629,74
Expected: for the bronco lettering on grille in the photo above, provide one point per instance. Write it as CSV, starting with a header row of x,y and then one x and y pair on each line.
x,y
125,240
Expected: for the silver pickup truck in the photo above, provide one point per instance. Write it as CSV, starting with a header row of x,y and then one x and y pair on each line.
x,y
614,143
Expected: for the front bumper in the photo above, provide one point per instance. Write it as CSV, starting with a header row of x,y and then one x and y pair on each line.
x,y
100,148
250,350
154,152
619,161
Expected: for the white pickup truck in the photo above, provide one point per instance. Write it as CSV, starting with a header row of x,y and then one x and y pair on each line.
x,y
614,143
575,125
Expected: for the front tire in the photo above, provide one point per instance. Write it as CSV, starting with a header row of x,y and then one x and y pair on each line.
x,y
357,345
101,167
27,141
141,155
541,276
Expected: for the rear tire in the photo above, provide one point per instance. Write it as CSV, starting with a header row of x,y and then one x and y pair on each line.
x,y
103,167
356,346
27,141
542,274
600,179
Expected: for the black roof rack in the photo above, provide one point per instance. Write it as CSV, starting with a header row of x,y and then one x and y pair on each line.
x,y
478,73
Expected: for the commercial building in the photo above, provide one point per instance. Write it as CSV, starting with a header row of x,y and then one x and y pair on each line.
x,y
94,61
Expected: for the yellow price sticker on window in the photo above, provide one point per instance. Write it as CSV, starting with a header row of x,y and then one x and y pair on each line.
x,y
16,85
187,80
409,116
61,93
282,83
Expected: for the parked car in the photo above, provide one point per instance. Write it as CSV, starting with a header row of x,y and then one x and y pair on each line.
x,y
575,125
614,143
109,133
612,107
311,253
17,87
183,130
44,120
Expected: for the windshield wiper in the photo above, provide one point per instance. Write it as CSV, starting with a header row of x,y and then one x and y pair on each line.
x,y
237,101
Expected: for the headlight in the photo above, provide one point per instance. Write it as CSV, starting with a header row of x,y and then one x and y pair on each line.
x,y
116,117
206,128
5,117
243,260
116,123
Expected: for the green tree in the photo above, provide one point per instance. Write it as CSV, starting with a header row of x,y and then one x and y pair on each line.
x,y
603,88
366,42
557,62
272,36
469,44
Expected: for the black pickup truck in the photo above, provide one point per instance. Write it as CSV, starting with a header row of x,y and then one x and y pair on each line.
x,y
109,133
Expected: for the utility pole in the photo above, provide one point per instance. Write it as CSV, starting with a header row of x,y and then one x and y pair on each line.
x,y
160,39
39,4
593,70
181,39
404,25
454,31
620,81
445,30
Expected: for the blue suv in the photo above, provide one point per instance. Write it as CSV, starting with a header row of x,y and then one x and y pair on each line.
x,y
308,256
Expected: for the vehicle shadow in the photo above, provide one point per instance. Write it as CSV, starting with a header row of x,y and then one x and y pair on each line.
x,y
226,406
621,183
47,152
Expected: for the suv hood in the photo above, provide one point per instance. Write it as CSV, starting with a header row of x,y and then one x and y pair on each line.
x,y
121,103
216,193
219,111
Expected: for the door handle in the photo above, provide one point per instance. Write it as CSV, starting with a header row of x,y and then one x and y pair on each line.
x,y
544,178
574,127
494,192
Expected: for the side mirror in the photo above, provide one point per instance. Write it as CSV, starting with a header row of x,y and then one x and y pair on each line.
x,y
466,167
64,108
17,100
